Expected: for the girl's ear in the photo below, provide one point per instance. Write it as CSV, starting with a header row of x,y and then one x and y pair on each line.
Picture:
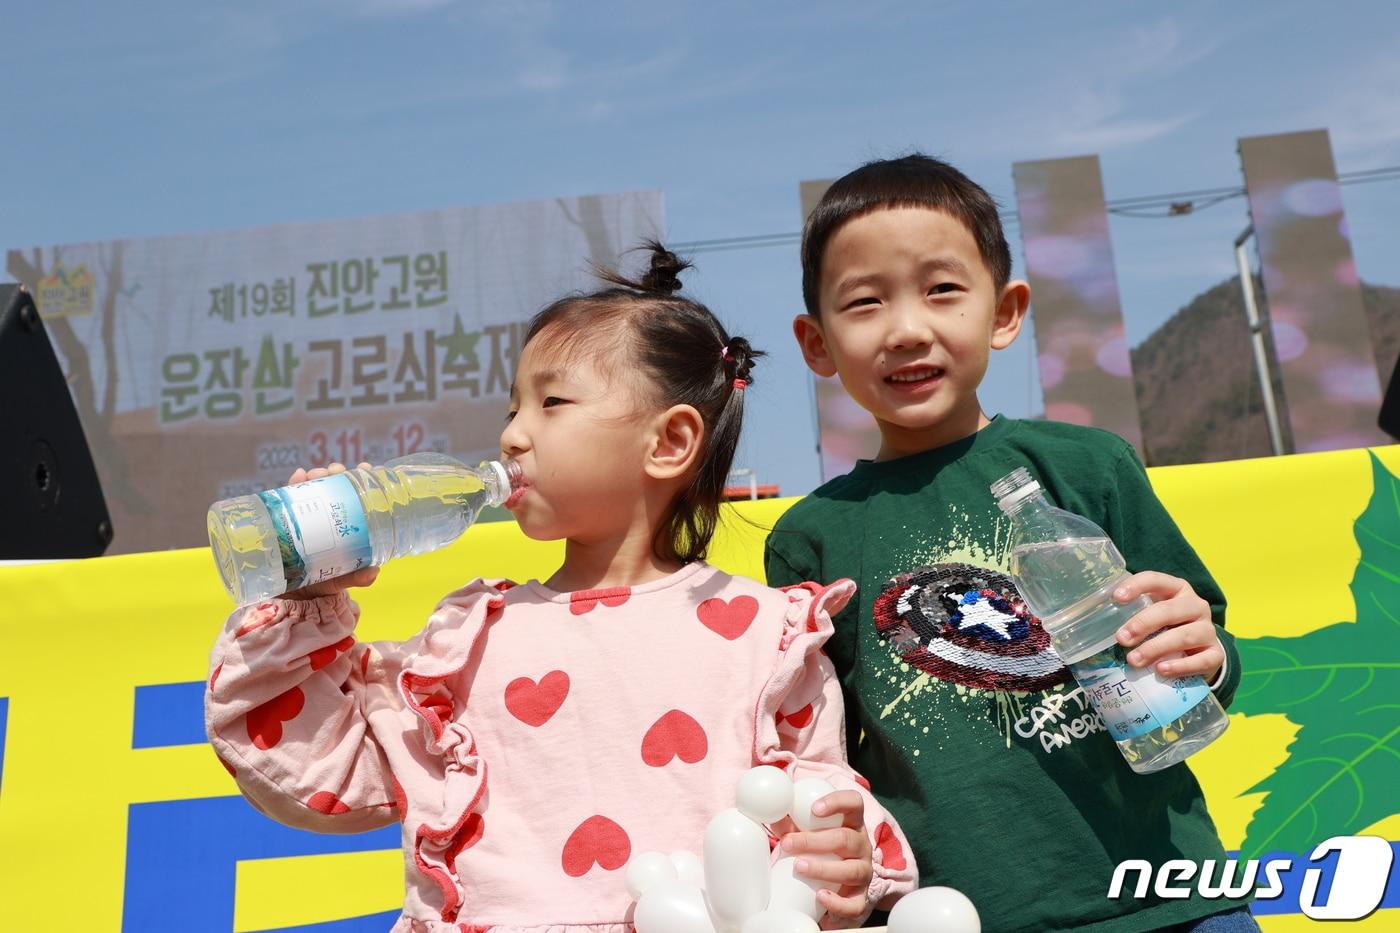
x,y
678,433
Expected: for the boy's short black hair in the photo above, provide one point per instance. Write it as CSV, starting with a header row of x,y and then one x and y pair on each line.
x,y
914,180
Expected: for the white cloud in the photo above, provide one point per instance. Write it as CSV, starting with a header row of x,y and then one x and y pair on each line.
x,y
1361,111
1091,103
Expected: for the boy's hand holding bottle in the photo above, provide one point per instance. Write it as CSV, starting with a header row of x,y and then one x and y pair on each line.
x,y
1182,618
1073,577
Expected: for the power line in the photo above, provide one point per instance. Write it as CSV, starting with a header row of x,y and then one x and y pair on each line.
x,y
1151,206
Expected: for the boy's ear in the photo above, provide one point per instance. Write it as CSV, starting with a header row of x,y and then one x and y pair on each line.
x,y
676,441
1011,313
812,339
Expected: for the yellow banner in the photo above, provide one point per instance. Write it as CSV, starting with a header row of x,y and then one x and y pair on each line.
x,y
114,814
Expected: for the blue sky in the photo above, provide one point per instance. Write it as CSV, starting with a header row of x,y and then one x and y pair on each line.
x,y
170,117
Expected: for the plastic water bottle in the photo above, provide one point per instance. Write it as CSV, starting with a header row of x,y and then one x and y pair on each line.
x,y
280,540
1067,569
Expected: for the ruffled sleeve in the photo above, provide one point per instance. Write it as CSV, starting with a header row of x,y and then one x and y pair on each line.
x,y
801,727
284,710
295,708
445,789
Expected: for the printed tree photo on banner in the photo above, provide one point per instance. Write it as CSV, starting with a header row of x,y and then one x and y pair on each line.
x,y
1341,686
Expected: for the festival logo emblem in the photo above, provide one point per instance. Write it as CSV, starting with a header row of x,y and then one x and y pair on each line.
x,y
65,292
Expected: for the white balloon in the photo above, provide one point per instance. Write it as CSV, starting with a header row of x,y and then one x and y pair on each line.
x,y
646,869
934,910
688,868
765,794
805,793
779,920
736,867
672,907
795,892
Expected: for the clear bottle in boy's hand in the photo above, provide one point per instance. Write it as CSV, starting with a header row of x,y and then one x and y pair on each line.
x,y
306,538
1066,569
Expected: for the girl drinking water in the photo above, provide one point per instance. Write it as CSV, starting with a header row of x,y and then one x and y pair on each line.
x,y
532,737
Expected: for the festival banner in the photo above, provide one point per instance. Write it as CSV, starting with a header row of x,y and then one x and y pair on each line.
x,y
214,364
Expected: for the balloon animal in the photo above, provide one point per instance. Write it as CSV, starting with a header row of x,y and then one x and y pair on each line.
x,y
735,889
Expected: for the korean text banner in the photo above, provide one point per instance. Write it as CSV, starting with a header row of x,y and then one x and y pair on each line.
x,y
214,364
116,815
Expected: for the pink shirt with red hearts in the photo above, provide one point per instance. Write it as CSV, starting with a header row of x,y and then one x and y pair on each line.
x,y
531,741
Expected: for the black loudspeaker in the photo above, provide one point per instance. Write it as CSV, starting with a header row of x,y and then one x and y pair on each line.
x,y
1390,405
51,503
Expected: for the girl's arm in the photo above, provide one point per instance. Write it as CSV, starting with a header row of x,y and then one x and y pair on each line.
x,y
288,707
801,727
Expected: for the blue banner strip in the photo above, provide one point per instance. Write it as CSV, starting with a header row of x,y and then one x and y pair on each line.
x,y
168,714
4,718
182,855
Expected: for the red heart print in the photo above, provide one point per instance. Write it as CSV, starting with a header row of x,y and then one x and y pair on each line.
x,y
891,852
475,928
533,703
323,656
729,619
584,600
674,735
264,614
860,779
265,722
597,839
214,677
326,802
798,719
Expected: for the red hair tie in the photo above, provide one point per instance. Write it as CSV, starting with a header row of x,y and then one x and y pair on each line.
x,y
741,384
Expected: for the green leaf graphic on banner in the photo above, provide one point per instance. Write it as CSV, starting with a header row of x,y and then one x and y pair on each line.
x,y
1341,686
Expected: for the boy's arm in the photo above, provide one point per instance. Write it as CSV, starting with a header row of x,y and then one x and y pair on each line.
x,y
781,565
1150,540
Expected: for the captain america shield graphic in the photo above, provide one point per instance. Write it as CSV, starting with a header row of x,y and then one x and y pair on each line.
x,y
967,625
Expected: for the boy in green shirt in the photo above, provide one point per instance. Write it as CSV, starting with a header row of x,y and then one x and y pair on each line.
x,y
966,724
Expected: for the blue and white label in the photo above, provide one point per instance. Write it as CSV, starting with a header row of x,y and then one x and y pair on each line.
x,y
328,527
1134,701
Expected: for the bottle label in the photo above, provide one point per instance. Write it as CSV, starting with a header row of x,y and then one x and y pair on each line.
x,y
1134,701
321,529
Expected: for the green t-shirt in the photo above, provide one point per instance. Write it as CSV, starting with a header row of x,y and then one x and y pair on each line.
x,y
982,746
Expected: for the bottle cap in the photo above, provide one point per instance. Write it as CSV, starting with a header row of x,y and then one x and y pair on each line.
x,y
500,490
1013,488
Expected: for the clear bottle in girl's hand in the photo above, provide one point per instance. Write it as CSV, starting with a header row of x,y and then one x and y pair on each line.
x,y
1066,569
327,527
